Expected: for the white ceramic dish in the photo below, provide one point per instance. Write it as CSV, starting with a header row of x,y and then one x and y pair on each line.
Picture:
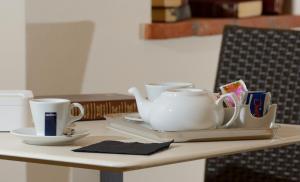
x,y
133,117
28,135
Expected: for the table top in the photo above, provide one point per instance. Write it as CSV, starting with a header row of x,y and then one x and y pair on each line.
x,y
12,148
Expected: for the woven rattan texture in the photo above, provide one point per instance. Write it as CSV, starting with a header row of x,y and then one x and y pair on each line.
x,y
268,60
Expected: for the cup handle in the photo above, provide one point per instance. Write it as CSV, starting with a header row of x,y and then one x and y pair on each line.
x,y
219,103
81,114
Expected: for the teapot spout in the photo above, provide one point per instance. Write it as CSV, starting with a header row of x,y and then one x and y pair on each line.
x,y
143,104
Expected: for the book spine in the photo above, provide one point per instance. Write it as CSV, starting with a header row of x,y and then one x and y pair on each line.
x,y
168,3
273,6
171,14
97,110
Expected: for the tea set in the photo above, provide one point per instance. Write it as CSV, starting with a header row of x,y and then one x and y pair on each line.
x,y
169,107
181,107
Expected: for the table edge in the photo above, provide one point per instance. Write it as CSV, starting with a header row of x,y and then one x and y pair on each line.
x,y
133,167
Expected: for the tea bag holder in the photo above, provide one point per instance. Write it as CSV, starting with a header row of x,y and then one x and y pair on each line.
x,y
247,120
246,127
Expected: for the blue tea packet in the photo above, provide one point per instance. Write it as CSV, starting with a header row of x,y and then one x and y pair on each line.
x,y
258,101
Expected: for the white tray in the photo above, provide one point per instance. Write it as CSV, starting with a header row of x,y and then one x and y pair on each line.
x,y
144,130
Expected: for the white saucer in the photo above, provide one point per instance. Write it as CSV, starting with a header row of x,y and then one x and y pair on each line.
x,y
133,117
28,135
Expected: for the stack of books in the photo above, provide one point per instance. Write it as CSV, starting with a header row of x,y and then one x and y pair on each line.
x,y
235,8
170,10
96,106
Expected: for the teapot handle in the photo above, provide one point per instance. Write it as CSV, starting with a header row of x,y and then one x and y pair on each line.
x,y
219,103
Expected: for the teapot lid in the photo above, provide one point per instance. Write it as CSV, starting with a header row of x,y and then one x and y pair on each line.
x,y
187,91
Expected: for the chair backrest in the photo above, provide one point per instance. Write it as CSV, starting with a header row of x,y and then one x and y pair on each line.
x,y
266,59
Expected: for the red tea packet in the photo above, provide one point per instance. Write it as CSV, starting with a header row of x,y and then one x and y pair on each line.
x,y
237,87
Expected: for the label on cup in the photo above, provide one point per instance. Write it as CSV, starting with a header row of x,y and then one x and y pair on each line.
x,y
50,123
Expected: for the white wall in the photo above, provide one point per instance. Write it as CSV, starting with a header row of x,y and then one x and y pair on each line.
x,y
46,173
12,44
296,7
94,46
12,69
112,57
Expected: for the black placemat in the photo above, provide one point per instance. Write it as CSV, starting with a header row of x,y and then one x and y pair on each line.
x,y
132,148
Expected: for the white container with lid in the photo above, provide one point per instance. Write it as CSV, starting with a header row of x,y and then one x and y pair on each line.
x,y
14,109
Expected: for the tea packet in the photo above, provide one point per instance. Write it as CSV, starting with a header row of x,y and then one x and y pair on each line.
x,y
238,87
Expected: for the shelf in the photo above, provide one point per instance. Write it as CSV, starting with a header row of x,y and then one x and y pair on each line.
x,y
213,26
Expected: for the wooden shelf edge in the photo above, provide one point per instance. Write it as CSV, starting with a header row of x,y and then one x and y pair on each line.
x,y
213,26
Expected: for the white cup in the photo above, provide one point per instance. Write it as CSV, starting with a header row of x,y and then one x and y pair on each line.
x,y
52,116
155,89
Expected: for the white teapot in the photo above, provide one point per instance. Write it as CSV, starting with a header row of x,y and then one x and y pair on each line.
x,y
184,109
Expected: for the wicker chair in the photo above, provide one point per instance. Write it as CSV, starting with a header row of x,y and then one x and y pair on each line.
x,y
265,59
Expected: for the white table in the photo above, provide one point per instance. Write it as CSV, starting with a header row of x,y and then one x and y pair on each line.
x,y
112,166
